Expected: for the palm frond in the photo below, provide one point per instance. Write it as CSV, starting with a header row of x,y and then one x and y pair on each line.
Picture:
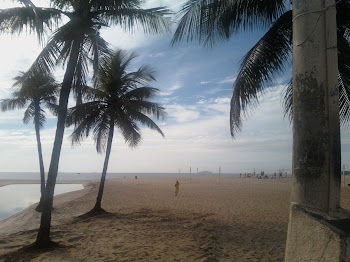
x,y
343,17
141,93
39,86
344,79
31,18
120,98
86,117
129,130
211,20
145,120
147,107
27,3
79,113
97,47
53,107
42,118
261,63
101,130
142,76
12,103
46,60
152,20
29,113
250,15
113,68
288,101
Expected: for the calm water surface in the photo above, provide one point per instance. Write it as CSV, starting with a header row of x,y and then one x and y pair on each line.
x,y
14,198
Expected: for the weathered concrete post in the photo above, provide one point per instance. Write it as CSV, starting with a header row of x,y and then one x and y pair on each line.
x,y
314,231
316,132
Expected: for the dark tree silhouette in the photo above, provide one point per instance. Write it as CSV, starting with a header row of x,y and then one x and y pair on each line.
x,y
209,21
120,99
75,43
37,90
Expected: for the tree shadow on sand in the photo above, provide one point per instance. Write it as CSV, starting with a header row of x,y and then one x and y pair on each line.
x,y
194,236
30,252
93,213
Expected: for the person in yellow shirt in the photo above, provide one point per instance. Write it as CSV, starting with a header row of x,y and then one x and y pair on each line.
x,y
177,187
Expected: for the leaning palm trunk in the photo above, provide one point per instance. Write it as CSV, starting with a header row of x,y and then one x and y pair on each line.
x,y
97,208
41,162
43,237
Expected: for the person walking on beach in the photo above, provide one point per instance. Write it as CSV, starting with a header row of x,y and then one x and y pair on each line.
x,y
177,187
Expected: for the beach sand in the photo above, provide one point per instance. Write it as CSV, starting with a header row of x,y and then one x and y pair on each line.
x,y
211,219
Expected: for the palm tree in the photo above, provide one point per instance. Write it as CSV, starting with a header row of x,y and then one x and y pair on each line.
x,y
40,89
75,43
209,21
120,99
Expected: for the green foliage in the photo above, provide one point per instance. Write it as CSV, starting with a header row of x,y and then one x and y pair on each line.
x,y
85,19
36,90
209,21
120,99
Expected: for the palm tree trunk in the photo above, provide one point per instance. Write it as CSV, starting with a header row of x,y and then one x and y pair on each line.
x,y
97,207
43,238
41,162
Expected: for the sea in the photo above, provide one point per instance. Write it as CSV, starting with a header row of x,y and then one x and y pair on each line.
x,y
16,197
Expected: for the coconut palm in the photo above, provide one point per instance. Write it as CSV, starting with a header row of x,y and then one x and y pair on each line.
x,y
38,90
120,99
75,43
209,21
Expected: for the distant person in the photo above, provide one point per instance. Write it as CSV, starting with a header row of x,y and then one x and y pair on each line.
x,y
177,187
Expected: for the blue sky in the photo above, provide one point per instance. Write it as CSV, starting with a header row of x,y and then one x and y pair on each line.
x,y
196,87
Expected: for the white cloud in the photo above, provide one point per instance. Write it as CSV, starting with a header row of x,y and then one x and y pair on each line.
x,y
165,93
168,3
175,87
11,116
170,91
161,54
222,100
214,91
229,80
182,113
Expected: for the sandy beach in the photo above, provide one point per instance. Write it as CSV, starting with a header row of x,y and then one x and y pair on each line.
x,y
231,219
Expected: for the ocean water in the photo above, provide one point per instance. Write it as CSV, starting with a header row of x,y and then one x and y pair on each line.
x,y
15,198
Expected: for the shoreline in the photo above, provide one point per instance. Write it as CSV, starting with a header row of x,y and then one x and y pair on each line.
x,y
7,182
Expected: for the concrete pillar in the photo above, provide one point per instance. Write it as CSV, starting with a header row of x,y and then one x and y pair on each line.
x,y
318,229
316,129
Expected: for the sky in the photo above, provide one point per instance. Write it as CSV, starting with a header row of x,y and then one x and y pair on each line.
x,y
195,85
